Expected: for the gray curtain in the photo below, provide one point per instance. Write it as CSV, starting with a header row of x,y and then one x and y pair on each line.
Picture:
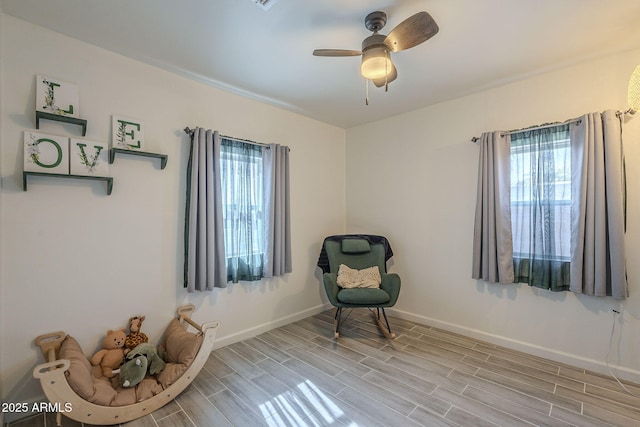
x,y
492,244
598,253
204,257
277,221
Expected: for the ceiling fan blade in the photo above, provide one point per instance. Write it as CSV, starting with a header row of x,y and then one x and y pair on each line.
x,y
391,77
411,32
336,52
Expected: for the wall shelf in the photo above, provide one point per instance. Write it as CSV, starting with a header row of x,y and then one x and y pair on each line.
x,y
58,118
107,179
163,157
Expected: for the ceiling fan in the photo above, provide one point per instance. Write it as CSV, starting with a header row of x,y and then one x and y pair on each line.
x,y
376,49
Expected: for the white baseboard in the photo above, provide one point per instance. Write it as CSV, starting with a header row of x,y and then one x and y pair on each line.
x,y
597,366
257,330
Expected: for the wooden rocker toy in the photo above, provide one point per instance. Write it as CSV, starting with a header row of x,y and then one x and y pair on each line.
x,y
67,380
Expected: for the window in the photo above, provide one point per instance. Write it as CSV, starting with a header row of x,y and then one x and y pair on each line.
x,y
541,206
237,224
242,209
551,207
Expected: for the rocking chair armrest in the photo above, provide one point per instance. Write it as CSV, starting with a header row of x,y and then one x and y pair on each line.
x,y
391,284
330,281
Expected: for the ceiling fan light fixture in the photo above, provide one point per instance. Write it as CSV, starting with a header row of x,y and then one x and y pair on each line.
x,y
376,63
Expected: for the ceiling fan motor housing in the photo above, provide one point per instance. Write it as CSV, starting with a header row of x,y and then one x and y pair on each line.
x,y
375,40
375,21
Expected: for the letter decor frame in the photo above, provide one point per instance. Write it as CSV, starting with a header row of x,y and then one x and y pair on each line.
x,y
127,137
63,157
46,153
59,101
57,97
88,158
127,133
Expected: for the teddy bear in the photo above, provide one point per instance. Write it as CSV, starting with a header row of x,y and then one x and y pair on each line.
x,y
112,353
135,337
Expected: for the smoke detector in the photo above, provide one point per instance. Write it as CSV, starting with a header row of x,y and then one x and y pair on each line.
x,y
265,4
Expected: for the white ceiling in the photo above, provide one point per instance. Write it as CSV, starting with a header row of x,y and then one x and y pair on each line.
x,y
237,46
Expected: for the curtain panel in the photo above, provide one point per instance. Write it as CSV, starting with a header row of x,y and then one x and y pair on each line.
x,y
243,207
541,206
598,261
204,251
278,218
492,242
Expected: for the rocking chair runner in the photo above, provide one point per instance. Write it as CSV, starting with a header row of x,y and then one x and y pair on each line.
x,y
359,251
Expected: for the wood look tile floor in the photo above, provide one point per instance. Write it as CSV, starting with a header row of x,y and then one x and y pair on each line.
x,y
298,375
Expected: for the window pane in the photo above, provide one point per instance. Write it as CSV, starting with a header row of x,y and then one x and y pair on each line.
x,y
541,204
243,210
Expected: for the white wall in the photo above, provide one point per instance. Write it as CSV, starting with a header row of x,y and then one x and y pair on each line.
x,y
74,259
77,260
425,200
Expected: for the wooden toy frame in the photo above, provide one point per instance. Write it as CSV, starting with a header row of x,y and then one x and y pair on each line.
x,y
54,384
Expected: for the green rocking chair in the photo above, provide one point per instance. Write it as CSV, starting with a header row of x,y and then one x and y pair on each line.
x,y
359,252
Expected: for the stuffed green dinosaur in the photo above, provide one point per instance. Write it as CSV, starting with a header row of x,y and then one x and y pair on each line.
x,y
132,371
142,356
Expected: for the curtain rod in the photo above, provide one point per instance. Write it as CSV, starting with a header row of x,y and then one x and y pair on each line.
x,y
543,126
248,141
548,125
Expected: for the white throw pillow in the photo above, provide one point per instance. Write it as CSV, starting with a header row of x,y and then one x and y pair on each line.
x,y
365,278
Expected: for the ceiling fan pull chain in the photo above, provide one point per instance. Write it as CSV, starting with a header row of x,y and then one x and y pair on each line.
x,y
366,85
386,71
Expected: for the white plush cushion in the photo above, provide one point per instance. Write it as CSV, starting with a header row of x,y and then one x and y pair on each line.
x,y
352,278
